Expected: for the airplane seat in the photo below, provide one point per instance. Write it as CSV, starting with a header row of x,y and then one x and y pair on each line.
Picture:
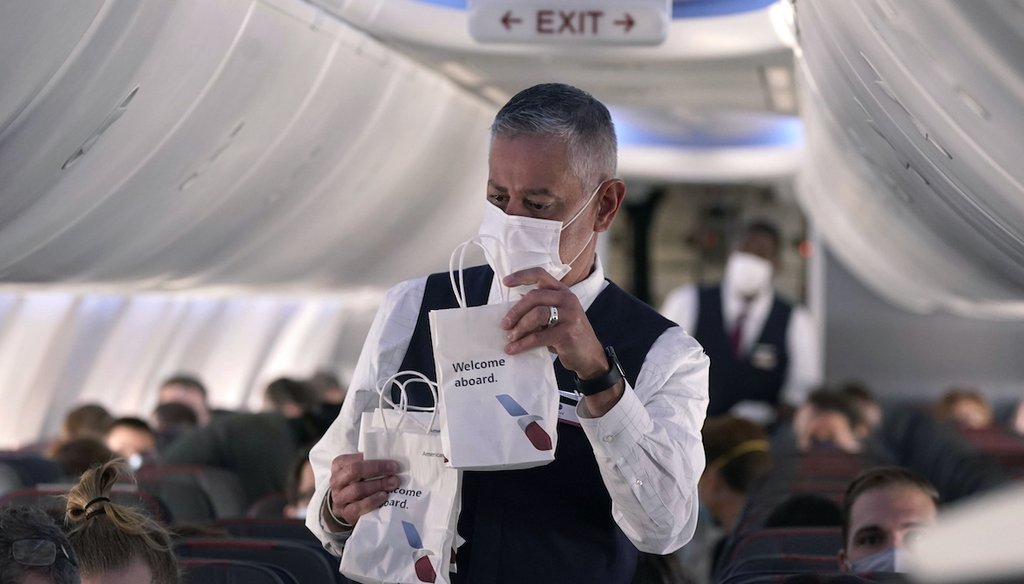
x,y
268,528
30,469
939,453
818,541
50,498
195,493
9,479
232,572
306,563
774,567
271,505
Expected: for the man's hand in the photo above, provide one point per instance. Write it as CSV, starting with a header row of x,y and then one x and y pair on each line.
x,y
571,338
359,486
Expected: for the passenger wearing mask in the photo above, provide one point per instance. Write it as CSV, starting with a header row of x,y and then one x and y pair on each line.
x,y
884,511
190,391
629,454
739,458
764,350
133,439
300,487
828,419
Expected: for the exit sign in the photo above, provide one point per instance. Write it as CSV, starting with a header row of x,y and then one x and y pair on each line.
x,y
570,22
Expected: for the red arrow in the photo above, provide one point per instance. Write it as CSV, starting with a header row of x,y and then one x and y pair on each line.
x,y
508,21
627,24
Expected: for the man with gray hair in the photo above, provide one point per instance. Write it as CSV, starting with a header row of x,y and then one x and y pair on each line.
x,y
33,550
633,385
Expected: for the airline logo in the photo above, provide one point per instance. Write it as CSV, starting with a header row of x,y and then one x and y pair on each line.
x,y
527,422
421,557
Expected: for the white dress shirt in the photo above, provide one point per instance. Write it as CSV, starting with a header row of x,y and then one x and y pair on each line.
x,y
804,371
648,446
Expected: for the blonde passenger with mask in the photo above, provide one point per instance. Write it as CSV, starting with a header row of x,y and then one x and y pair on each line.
x,y
764,350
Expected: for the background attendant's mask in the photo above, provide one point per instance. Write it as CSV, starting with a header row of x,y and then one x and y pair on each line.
x,y
747,274
515,243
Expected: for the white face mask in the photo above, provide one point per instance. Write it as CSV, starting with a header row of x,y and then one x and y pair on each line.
x,y
516,243
888,560
747,274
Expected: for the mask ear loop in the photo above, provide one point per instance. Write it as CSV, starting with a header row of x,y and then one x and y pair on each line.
x,y
590,200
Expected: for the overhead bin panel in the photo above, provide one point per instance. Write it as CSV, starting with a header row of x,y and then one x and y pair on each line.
x,y
246,143
36,40
148,69
931,213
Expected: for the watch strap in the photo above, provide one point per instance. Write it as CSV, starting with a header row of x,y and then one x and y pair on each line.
x,y
602,382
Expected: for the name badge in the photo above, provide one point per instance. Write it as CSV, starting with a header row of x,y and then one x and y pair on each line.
x,y
567,401
764,357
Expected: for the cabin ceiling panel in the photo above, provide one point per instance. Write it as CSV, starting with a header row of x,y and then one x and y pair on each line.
x,y
931,214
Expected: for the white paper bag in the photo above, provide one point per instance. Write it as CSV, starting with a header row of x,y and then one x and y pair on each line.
x,y
498,411
409,540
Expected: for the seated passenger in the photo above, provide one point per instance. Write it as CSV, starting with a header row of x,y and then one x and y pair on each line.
x,y
299,489
79,455
171,420
805,510
827,420
133,439
965,407
867,406
116,544
738,455
188,390
290,398
84,421
33,550
1017,420
327,387
884,510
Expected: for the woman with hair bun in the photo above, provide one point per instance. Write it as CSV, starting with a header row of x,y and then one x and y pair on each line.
x,y
116,544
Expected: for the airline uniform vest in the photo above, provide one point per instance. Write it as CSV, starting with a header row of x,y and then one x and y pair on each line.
x,y
757,375
551,523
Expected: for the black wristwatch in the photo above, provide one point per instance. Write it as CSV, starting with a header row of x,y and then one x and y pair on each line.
x,y
602,382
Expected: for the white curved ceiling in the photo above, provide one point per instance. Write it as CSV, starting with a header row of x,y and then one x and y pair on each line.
x,y
914,142
267,144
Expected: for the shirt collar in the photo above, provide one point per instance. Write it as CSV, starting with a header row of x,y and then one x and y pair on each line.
x,y
586,290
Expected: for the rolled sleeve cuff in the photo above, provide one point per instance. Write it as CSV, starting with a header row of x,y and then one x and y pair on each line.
x,y
615,434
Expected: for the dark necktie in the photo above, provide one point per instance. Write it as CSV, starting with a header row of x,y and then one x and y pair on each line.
x,y
737,330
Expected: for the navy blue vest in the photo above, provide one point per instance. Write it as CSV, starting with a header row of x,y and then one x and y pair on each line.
x,y
551,523
759,375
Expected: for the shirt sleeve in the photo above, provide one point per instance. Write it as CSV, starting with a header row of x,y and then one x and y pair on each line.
x,y
680,306
383,352
648,446
804,371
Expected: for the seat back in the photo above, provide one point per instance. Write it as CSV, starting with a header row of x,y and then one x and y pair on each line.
x,y
816,541
267,528
195,494
50,498
755,568
19,469
303,561
269,506
232,572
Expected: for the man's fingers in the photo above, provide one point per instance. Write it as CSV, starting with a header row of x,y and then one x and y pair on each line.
x,y
353,511
543,299
531,276
359,486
